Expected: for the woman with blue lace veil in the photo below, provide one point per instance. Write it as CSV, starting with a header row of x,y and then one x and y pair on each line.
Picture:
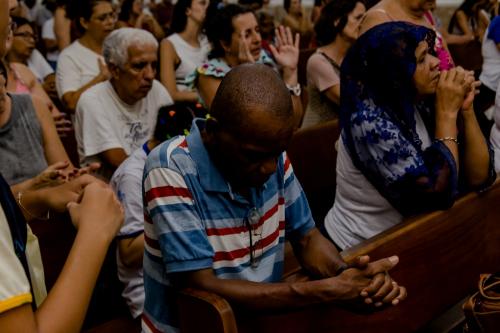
x,y
410,139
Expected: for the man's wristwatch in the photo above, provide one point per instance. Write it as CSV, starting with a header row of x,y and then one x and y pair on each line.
x,y
294,90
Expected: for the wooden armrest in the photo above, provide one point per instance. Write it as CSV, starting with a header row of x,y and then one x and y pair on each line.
x,y
122,325
203,311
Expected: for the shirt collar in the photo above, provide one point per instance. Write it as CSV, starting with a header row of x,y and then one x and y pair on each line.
x,y
210,177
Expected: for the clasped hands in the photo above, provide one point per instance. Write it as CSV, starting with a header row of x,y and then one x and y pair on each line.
x,y
369,284
59,173
456,90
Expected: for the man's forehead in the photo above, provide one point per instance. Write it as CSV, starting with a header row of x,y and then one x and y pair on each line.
x,y
137,51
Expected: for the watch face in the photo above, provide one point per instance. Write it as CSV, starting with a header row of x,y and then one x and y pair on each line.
x,y
294,90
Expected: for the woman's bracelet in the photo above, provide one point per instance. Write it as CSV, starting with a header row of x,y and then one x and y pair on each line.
x,y
43,218
447,138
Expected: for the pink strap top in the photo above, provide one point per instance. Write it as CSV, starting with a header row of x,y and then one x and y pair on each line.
x,y
445,60
21,87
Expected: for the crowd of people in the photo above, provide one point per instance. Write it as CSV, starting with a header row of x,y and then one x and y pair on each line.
x,y
182,114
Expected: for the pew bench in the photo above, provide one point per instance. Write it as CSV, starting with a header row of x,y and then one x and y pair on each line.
x,y
441,256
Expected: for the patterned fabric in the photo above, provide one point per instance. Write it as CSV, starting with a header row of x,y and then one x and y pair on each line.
x,y
445,60
218,68
194,221
378,121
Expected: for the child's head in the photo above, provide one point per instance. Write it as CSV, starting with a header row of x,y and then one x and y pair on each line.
x,y
173,120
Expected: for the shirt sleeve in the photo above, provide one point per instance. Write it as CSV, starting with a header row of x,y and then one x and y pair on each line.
x,y
172,223
321,73
411,179
163,96
67,75
14,285
93,127
298,217
128,189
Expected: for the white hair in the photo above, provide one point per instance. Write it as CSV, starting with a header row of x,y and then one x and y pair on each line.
x,y
117,43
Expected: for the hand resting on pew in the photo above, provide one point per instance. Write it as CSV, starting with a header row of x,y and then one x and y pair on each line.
x,y
364,283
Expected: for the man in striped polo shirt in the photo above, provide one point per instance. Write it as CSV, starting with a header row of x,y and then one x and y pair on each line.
x,y
220,202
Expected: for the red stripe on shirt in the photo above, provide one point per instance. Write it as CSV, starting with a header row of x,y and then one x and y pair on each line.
x,y
152,242
287,164
258,243
167,191
183,144
243,228
150,324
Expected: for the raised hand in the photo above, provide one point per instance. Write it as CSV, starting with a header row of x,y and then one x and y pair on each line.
x,y
286,51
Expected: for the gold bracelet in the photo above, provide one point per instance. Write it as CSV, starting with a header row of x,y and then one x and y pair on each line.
x,y
44,218
447,138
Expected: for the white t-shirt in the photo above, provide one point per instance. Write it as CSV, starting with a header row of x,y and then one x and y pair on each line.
x,y
360,211
127,184
495,131
48,33
490,73
77,65
14,284
191,58
39,65
103,121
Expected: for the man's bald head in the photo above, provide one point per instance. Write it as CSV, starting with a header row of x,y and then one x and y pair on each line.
x,y
247,89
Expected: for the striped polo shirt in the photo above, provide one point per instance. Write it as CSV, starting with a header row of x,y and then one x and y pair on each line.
x,y
194,221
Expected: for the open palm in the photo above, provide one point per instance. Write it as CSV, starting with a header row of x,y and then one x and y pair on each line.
x,y
286,51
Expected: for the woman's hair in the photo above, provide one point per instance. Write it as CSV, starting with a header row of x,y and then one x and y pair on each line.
x,y
77,9
287,4
20,21
126,10
116,45
219,28
333,20
173,120
179,17
467,8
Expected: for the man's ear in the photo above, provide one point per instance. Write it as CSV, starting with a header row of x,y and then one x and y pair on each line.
x,y
114,71
225,46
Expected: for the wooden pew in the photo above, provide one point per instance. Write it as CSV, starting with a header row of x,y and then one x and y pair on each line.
x,y
441,257
313,156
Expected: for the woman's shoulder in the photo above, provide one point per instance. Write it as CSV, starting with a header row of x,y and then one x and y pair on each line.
x,y
26,73
215,67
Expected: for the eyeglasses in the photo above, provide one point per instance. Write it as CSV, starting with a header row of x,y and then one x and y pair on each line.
x,y
252,222
26,35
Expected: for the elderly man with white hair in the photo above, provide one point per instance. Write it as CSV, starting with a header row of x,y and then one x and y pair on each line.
x,y
117,116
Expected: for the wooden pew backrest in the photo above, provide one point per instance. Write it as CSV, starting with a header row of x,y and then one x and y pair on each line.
x,y
314,158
